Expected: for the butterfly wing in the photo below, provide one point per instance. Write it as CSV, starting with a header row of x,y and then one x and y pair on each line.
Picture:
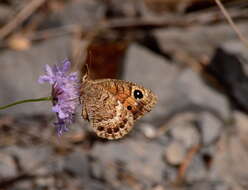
x,y
125,92
108,117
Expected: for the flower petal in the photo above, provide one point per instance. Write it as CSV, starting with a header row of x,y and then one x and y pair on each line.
x,y
48,70
65,93
66,66
45,78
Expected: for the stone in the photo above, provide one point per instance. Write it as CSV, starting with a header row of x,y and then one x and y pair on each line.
x,y
210,127
241,121
45,182
96,185
194,91
23,184
8,168
138,158
197,40
230,161
196,170
5,13
77,163
175,153
31,159
96,169
86,14
158,187
185,133
207,185
148,130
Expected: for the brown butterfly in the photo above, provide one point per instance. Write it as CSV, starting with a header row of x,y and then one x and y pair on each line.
x,y
111,106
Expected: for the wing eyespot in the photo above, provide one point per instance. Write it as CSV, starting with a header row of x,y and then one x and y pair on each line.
x,y
109,131
129,107
100,128
116,129
138,94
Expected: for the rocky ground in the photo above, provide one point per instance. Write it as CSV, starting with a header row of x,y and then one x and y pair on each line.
x,y
194,139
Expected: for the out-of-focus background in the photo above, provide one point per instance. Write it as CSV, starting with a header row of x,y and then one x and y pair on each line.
x,y
184,50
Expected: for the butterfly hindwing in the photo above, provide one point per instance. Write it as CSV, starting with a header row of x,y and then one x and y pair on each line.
x,y
108,117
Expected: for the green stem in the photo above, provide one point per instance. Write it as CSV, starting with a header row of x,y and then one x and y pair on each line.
x,y
25,101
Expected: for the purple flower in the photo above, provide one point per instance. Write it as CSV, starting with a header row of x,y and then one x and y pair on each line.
x,y
65,93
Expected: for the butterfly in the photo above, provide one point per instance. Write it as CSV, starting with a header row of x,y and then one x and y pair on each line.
x,y
112,106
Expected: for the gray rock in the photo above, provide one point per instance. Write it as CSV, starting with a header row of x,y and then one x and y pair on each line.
x,y
95,185
197,40
196,171
45,182
23,185
31,159
97,170
209,185
148,130
83,13
230,161
193,90
5,13
234,46
185,133
175,153
138,158
210,127
125,9
77,163
8,167
158,187
241,121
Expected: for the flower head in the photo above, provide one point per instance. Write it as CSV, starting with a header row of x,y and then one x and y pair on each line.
x,y
65,93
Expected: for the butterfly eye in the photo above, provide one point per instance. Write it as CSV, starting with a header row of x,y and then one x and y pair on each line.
x,y
138,94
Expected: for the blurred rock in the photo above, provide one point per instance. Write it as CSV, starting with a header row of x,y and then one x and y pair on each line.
x,y
158,187
5,13
210,127
32,158
234,46
229,163
197,40
175,153
119,8
45,182
22,185
77,163
97,170
209,185
19,42
8,166
95,185
148,130
196,171
138,158
186,133
193,90
83,13
241,121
